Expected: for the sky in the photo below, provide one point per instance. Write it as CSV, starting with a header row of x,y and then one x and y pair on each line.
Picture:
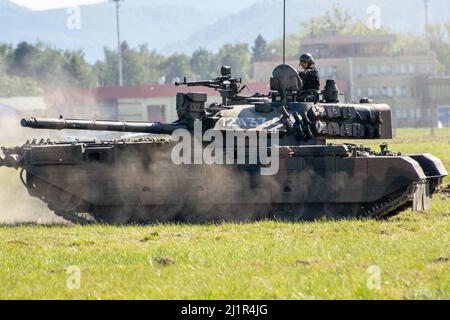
x,y
52,4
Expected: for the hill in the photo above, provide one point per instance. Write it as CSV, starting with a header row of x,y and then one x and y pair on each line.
x,y
265,17
181,26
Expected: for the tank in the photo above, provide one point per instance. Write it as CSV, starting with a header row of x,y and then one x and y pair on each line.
x,y
137,180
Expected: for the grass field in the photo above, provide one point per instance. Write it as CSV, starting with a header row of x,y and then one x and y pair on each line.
x,y
406,257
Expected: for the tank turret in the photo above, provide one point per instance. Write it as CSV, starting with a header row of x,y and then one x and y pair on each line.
x,y
327,119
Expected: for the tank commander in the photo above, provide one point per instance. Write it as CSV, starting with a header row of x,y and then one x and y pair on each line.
x,y
310,79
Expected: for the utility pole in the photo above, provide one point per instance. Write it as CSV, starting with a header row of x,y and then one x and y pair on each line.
x,y
432,107
427,34
284,54
119,44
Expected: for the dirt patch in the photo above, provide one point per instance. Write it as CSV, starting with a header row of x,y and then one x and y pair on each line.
x,y
441,260
81,243
445,190
18,242
150,237
303,262
165,261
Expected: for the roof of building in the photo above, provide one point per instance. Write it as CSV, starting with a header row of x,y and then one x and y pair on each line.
x,y
24,104
349,39
434,80
443,78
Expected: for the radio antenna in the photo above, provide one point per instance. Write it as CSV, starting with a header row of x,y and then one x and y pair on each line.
x,y
284,52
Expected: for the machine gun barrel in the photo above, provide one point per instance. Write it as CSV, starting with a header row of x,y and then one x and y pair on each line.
x,y
194,83
119,126
206,83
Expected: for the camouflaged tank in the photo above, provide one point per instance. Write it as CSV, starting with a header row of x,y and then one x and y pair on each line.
x,y
136,179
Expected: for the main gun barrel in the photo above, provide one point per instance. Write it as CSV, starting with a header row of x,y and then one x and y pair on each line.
x,y
118,126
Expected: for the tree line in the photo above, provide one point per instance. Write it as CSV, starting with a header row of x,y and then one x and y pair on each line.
x,y
27,69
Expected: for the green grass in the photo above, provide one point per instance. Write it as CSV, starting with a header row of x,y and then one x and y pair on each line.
x,y
424,133
265,260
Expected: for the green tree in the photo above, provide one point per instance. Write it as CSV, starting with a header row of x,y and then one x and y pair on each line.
x,y
78,71
134,70
23,60
151,64
336,21
5,52
18,86
275,48
108,68
237,56
49,68
260,51
409,43
140,65
203,65
176,67
3,65
439,43
100,69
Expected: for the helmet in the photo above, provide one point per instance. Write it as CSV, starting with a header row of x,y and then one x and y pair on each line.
x,y
306,58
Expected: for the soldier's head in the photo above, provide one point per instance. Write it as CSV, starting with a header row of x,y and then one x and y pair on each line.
x,y
306,60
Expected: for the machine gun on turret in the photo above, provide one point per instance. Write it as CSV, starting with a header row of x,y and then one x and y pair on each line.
x,y
228,86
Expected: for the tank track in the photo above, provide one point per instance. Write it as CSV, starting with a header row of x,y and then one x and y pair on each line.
x,y
391,205
63,204
385,208
79,212
76,218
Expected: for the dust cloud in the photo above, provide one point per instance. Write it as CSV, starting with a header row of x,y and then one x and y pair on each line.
x,y
196,193
16,205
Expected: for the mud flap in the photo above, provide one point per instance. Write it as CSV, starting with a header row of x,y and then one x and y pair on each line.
x,y
421,201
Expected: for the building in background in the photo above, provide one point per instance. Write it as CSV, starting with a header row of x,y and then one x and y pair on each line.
x,y
435,97
370,67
